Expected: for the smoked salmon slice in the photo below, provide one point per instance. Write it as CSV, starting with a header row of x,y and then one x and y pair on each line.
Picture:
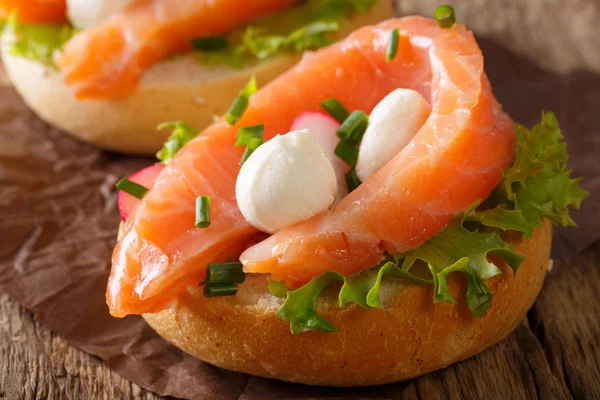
x,y
455,159
35,11
107,61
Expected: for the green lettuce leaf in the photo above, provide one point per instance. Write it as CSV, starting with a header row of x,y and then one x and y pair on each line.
x,y
538,185
500,218
459,249
37,42
363,288
278,288
299,307
455,249
182,133
307,26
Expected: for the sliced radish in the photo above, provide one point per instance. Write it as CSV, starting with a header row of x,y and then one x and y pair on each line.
x,y
144,177
323,127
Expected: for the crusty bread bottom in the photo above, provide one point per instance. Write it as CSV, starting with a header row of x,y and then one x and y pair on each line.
x,y
181,89
408,337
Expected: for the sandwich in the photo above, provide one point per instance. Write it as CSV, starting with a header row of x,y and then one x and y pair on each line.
x,y
371,215
109,71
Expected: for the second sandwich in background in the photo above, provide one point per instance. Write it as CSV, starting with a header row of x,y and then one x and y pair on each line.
x,y
109,71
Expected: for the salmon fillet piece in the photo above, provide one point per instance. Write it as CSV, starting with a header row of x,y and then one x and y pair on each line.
x,y
35,11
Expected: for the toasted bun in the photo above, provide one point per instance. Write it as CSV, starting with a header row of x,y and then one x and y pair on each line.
x,y
408,337
182,89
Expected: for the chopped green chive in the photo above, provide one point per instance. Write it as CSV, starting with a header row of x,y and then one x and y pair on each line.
x,y
335,109
210,43
246,133
237,109
253,144
132,188
202,212
445,16
392,46
225,273
352,180
251,87
239,105
353,127
347,152
220,290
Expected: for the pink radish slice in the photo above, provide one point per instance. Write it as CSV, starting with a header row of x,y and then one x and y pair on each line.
x,y
323,127
144,177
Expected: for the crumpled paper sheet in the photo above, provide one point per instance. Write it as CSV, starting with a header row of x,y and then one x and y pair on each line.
x,y
58,222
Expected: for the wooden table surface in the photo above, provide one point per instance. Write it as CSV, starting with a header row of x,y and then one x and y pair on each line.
x,y
553,354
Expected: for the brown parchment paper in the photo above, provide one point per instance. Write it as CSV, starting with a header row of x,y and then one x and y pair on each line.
x,y
58,221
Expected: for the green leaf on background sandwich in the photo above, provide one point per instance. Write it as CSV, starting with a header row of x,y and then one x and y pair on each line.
x,y
37,42
538,185
307,26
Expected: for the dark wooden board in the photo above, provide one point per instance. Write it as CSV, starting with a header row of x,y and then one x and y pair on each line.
x,y
553,354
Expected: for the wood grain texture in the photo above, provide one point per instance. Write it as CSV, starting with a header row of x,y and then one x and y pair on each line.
x,y
36,364
554,354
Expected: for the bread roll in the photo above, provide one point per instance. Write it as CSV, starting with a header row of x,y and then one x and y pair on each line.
x,y
409,336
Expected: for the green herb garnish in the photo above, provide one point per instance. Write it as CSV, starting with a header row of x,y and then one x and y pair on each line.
x,y
237,109
247,133
347,152
352,181
253,144
445,16
225,273
202,212
353,127
239,105
251,137
220,290
335,109
132,188
392,47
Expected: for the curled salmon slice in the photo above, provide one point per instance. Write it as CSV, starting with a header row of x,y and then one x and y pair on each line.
x,y
107,61
35,11
455,159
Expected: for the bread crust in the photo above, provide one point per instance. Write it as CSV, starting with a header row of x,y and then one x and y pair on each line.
x,y
409,337
172,90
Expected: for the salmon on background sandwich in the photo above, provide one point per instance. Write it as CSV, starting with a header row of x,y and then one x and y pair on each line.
x,y
109,71
369,216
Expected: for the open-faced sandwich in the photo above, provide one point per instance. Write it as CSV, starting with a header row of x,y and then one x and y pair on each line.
x,y
401,224
109,71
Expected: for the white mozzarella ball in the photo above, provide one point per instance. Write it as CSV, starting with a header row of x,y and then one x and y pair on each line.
x,y
392,124
286,180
